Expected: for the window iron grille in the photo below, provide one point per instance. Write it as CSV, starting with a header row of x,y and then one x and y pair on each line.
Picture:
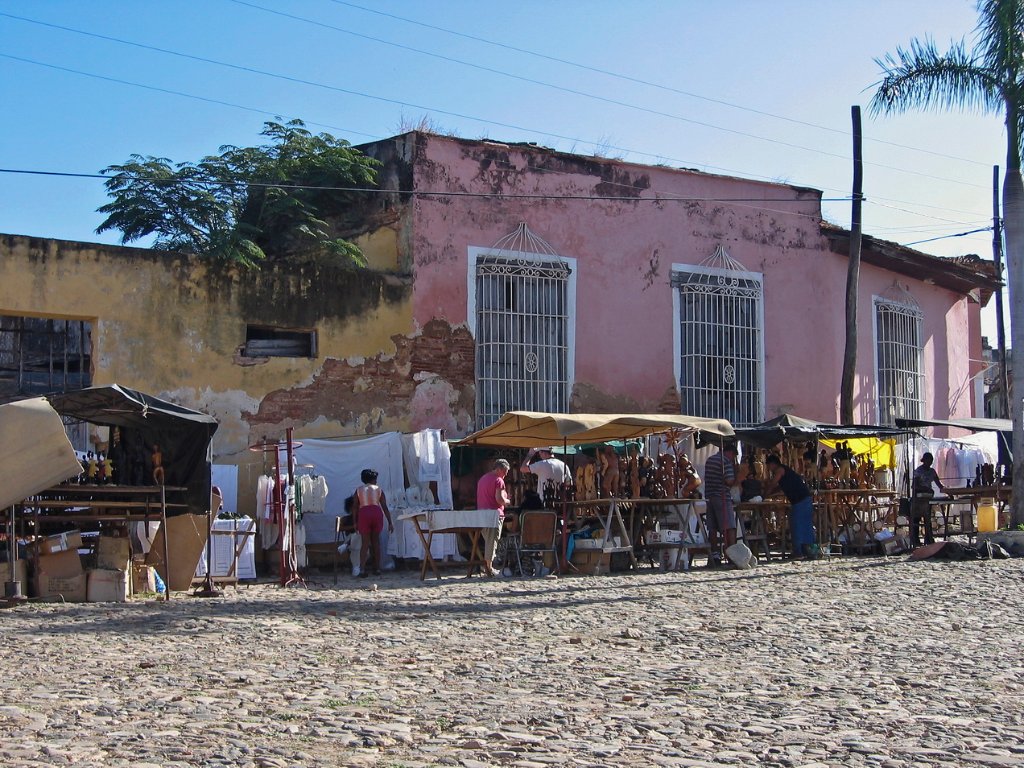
x,y
898,363
721,350
43,355
522,328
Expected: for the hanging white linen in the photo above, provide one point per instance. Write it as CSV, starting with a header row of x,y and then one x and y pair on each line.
x,y
340,463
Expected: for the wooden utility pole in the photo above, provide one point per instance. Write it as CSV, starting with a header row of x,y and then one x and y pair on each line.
x,y
997,256
853,278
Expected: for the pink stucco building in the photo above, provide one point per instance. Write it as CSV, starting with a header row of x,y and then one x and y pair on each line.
x,y
591,284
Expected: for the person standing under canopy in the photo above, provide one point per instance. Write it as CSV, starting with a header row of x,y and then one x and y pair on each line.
x,y
545,468
491,494
801,504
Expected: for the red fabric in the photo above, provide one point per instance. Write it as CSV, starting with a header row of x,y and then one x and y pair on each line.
x,y
370,520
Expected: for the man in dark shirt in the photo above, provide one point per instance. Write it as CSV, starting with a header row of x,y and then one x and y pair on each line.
x,y
920,507
801,506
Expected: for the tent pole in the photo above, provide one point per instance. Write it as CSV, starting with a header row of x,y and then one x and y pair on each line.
x,y
12,587
167,559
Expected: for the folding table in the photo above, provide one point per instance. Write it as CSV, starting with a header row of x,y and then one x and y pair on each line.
x,y
472,522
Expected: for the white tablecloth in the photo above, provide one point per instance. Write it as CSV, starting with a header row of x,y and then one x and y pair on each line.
x,y
405,542
441,519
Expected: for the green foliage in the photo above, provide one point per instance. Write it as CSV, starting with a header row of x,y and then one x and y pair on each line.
x,y
246,204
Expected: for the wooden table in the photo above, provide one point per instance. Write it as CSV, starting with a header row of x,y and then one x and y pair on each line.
x,y
101,504
766,523
1001,494
686,513
472,522
609,512
856,512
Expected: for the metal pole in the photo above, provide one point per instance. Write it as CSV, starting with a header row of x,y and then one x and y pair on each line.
x,y
167,559
12,587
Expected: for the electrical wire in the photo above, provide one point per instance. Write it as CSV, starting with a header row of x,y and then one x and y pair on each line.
x,y
640,81
417,192
573,139
326,86
945,237
172,92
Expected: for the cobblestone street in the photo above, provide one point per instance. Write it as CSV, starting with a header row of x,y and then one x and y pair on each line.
x,y
862,662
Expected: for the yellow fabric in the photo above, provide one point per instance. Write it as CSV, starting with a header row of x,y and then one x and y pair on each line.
x,y
882,452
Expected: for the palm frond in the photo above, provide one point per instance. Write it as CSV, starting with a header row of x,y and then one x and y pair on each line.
x,y
920,77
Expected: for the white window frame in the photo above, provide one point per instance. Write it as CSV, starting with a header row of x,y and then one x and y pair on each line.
x,y
912,408
475,254
726,278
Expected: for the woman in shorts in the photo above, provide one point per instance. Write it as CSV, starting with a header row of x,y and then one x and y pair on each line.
x,y
371,509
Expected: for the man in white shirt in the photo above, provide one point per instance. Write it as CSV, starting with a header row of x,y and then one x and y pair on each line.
x,y
547,467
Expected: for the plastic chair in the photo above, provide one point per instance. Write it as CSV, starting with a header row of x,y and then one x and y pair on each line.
x,y
538,530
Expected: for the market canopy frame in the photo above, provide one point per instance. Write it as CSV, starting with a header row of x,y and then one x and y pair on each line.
x,y
1004,427
787,426
35,452
529,429
183,434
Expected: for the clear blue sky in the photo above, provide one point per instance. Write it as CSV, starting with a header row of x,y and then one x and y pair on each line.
x,y
565,75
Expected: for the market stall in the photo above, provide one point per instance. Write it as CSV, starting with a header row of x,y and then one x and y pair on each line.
x,y
852,486
148,463
528,429
975,471
29,466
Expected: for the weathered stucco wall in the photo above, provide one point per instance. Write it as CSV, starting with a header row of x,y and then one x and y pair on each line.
x,y
625,242
173,326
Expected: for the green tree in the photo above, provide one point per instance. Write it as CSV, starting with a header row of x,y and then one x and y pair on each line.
x,y
988,77
246,204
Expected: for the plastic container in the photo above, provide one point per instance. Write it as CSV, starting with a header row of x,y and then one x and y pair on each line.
x,y
988,518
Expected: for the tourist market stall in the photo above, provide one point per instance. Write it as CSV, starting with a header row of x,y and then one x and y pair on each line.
x,y
853,486
148,462
526,429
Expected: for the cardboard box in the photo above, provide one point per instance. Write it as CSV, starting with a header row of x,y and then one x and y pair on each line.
x,y
591,562
60,577
186,539
71,589
113,553
107,585
61,542
60,565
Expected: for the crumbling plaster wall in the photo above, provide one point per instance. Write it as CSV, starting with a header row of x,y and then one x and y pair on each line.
x,y
600,212
174,326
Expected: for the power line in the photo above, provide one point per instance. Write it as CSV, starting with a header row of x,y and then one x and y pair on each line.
x,y
657,156
173,92
946,237
373,136
661,198
640,81
596,97
326,86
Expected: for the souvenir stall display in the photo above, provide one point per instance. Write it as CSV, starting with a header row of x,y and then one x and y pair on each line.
x,y
280,521
847,468
593,518
146,463
975,470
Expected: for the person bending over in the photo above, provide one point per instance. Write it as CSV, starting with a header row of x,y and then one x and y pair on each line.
x,y
801,505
